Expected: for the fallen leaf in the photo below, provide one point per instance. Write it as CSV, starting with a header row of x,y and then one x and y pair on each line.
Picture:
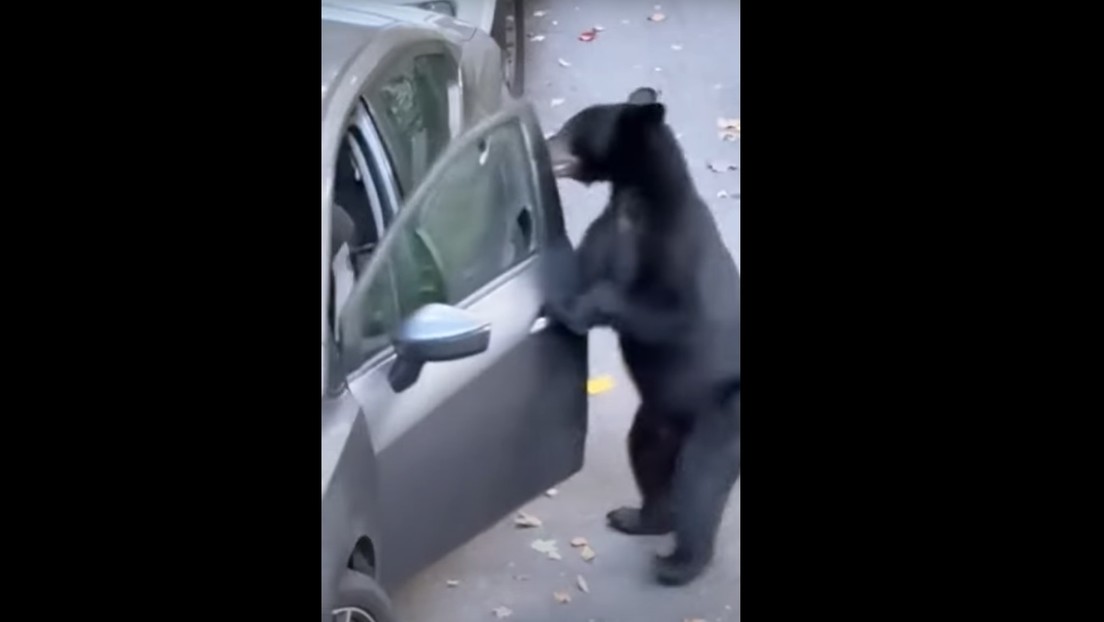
x,y
588,35
548,547
551,492
582,583
540,13
452,583
728,124
676,47
721,166
502,612
537,38
577,542
562,597
556,102
657,17
563,63
599,385
587,553
730,129
525,519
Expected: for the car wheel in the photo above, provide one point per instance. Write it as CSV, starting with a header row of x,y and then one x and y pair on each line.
x,y
361,599
510,36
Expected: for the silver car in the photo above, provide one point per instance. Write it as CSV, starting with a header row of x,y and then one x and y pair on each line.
x,y
503,19
447,400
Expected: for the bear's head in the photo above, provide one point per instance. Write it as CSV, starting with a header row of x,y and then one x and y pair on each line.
x,y
604,142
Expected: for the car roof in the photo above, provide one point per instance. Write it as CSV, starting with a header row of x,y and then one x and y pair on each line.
x,y
350,25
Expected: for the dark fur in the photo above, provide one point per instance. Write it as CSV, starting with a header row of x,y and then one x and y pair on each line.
x,y
655,269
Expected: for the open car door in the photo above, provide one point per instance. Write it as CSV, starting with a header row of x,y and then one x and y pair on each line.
x,y
475,402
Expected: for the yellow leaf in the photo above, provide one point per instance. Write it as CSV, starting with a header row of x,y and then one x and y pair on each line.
x,y
599,385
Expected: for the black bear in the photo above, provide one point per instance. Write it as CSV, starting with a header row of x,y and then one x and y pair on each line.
x,y
653,266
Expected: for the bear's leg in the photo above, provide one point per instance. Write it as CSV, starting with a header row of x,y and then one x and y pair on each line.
x,y
653,451
708,467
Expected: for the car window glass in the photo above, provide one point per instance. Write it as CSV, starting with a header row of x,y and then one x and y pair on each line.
x,y
470,226
412,111
476,220
365,327
356,224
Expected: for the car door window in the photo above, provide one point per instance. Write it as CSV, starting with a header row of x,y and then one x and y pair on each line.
x,y
472,222
412,110
357,218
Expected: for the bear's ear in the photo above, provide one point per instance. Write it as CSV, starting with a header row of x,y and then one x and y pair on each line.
x,y
644,95
649,114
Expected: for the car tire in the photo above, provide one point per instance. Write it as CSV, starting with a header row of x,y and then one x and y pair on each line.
x,y
360,595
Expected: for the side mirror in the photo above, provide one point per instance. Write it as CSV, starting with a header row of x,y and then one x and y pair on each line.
x,y
435,333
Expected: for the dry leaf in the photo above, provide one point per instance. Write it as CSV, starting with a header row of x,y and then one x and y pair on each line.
x,y
551,492
577,542
502,612
540,13
728,124
657,17
676,47
599,385
730,129
587,553
563,63
548,547
525,519
582,583
537,38
452,583
588,35
721,166
562,597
